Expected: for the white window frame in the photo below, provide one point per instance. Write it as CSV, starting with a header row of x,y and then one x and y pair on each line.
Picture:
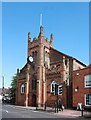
x,y
22,88
87,99
53,85
59,88
87,81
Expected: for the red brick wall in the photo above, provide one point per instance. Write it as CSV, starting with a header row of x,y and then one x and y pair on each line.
x,y
51,98
21,97
78,82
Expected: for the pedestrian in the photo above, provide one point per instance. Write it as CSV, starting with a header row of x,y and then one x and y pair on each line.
x,y
60,105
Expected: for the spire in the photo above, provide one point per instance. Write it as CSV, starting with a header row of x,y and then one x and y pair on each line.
x,y
40,19
41,30
41,27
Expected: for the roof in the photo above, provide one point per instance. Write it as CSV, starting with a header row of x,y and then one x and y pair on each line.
x,y
69,56
23,67
87,67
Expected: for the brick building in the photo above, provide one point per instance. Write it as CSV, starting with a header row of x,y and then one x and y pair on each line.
x,y
82,87
36,81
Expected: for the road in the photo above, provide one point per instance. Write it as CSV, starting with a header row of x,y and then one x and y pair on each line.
x,y
10,111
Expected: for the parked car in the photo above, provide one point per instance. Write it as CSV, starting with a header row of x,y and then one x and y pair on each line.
x,y
6,99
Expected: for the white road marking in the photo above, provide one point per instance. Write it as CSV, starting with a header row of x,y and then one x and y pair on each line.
x,y
35,111
6,111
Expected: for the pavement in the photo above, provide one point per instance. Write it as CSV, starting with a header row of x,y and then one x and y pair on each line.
x,y
64,113
74,113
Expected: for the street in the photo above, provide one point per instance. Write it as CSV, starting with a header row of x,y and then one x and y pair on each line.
x,y
11,111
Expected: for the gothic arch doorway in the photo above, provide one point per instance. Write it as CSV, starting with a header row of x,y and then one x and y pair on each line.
x,y
34,100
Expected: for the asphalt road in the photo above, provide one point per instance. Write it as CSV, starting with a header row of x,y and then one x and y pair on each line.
x,y
10,111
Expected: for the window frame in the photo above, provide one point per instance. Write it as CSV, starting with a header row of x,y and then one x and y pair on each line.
x,y
22,88
53,85
87,99
87,81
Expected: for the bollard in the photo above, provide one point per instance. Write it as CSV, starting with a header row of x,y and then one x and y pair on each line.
x,y
36,107
55,106
57,102
55,109
45,106
82,111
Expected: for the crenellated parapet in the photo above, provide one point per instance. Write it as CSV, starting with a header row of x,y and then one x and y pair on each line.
x,y
46,43
40,41
34,43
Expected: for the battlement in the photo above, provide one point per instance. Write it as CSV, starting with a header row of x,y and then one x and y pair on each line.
x,y
36,42
46,43
41,41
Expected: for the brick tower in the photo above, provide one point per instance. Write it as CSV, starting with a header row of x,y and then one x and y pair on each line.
x,y
38,48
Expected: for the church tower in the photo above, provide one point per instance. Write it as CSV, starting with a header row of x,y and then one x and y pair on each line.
x,y
39,49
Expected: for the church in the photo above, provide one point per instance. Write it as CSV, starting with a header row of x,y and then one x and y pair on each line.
x,y
47,75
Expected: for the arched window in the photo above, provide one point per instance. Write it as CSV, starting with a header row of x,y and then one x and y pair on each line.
x,y
32,54
22,89
53,86
35,53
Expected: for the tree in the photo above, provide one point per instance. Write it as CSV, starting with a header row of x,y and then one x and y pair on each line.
x,y
13,88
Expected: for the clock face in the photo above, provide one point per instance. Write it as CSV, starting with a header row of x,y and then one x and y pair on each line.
x,y
31,59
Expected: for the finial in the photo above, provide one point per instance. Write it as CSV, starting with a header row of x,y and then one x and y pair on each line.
x,y
51,37
17,71
29,35
40,19
34,39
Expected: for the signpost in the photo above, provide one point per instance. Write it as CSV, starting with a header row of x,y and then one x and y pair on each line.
x,y
58,90
56,93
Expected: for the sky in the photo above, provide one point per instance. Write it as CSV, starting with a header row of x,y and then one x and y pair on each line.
x,y
69,22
